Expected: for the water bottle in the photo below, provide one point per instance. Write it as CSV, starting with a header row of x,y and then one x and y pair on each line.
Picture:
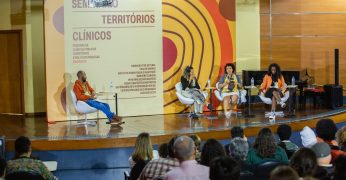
x,y
208,83
293,81
252,82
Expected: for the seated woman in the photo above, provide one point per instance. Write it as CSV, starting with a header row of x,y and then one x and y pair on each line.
x,y
273,86
142,154
265,149
229,85
191,88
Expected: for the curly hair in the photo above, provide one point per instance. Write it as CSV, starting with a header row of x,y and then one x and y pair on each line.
x,y
211,149
264,144
326,129
304,161
229,65
278,70
341,137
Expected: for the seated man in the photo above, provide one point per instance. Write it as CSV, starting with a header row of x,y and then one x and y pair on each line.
x,y
185,151
85,93
284,132
24,162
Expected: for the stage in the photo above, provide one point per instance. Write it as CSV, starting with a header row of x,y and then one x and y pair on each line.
x,y
70,136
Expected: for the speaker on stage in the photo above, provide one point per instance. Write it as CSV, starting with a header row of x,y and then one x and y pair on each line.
x,y
333,96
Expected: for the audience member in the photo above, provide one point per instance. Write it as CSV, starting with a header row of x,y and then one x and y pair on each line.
x,y
265,149
24,163
308,137
184,150
143,150
326,130
322,152
142,154
211,149
158,168
2,168
284,132
197,141
340,168
284,173
236,131
163,150
238,149
341,138
224,168
304,162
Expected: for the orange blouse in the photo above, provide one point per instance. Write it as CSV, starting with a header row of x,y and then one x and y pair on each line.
x,y
267,82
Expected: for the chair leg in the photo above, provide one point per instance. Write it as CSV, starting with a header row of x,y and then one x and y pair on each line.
x,y
85,122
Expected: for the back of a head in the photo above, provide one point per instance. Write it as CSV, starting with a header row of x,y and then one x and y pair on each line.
x,y
211,149
341,137
2,167
196,139
237,131
284,173
184,148
224,168
143,148
170,147
163,150
284,132
340,168
22,145
304,161
326,129
238,149
265,145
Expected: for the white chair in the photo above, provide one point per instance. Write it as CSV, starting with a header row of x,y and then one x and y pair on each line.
x,y
268,101
242,98
187,101
83,108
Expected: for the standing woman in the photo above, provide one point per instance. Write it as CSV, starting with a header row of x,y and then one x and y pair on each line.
x,y
273,86
229,85
191,88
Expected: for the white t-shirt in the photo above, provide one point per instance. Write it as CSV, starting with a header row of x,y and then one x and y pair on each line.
x,y
155,156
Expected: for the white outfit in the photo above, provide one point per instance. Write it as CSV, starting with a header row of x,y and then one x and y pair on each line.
x,y
308,137
155,156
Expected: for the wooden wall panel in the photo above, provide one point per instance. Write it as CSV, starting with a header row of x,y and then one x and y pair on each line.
x,y
289,6
286,52
304,35
308,24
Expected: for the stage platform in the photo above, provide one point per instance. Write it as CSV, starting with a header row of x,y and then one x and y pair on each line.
x,y
70,136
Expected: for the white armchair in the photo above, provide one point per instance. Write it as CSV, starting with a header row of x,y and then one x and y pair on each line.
x,y
83,108
242,97
187,101
269,101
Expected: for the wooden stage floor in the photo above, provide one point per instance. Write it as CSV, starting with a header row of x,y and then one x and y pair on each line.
x,y
60,135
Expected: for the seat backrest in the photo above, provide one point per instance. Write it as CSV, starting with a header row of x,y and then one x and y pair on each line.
x,y
73,98
262,171
23,175
178,87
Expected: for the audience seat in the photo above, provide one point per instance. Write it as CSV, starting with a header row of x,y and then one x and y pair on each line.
x,y
262,171
24,175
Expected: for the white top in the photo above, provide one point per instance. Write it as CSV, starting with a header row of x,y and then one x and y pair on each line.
x,y
155,156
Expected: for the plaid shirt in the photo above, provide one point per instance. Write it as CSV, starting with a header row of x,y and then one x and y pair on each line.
x,y
158,168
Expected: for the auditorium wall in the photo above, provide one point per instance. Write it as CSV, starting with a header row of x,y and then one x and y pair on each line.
x,y
27,15
304,35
